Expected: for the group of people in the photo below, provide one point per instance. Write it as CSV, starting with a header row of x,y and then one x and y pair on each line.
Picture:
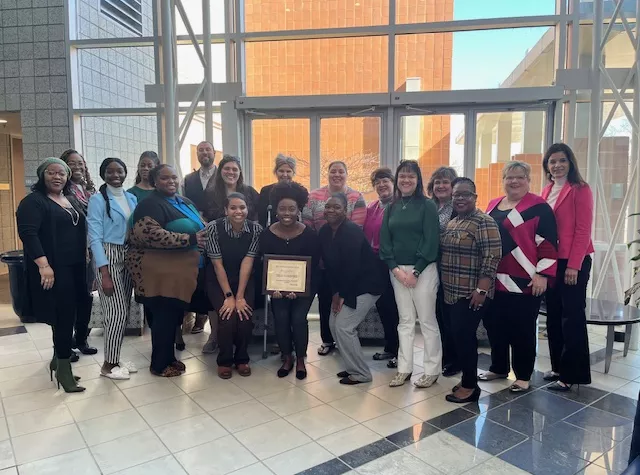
x,y
428,256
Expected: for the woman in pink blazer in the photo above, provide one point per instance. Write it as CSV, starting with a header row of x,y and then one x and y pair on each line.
x,y
572,202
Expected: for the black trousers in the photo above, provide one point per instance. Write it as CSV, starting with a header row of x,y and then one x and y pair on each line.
x,y
83,315
464,323
635,438
388,311
511,322
324,308
449,347
290,317
72,299
164,317
234,333
567,326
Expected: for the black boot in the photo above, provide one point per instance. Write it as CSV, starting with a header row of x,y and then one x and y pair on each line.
x,y
85,349
53,365
64,376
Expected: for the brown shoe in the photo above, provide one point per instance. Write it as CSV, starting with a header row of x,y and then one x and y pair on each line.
x,y
224,372
179,365
168,372
243,369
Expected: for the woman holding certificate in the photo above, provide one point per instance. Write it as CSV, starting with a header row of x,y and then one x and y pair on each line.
x,y
232,245
356,284
289,237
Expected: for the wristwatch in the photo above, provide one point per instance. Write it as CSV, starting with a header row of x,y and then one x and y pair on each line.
x,y
481,292
416,272
228,294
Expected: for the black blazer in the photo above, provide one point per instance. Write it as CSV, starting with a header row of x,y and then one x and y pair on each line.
x,y
194,191
350,262
37,231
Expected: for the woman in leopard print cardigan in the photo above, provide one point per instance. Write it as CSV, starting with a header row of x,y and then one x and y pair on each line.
x,y
163,258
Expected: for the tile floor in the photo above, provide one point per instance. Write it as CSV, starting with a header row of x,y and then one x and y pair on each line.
x,y
198,424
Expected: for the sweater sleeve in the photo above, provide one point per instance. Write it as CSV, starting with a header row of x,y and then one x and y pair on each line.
x,y
307,213
489,246
350,245
430,241
584,220
386,242
29,216
95,223
547,242
359,213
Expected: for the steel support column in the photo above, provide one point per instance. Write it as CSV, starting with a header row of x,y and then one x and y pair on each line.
x,y
168,68
208,97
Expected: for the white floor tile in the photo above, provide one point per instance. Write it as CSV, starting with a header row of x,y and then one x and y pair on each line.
x,y
495,466
349,439
154,392
27,385
220,396
7,458
220,457
272,438
362,407
141,378
94,387
47,443
41,419
79,462
243,416
606,382
15,348
619,370
98,406
25,371
432,407
18,359
395,463
9,471
630,390
290,401
320,421
112,426
128,451
330,389
440,449
4,430
392,423
402,396
170,410
255,469
190,383
261,382
163,466
186,433
33,401
298,459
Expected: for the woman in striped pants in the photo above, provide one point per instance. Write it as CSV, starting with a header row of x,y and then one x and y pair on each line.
x,y
107,218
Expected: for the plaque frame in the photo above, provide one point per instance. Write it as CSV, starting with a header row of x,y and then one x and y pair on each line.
x,y
268,258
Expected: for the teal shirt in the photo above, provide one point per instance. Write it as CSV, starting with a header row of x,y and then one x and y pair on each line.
x,y
139,192
410,236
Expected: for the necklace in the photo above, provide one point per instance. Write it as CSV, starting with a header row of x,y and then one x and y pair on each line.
x,y
75,216
405,204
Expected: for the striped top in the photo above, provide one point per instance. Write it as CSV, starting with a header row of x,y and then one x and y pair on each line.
x,y
212,247
313,213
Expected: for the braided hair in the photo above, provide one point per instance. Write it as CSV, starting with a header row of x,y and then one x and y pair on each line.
x,y
103,189
87,181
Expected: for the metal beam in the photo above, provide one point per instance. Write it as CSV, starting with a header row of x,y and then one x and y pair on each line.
x,y
208,65
169,67
220,92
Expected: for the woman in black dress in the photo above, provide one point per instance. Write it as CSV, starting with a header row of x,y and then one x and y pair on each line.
x,y
290,237
53,230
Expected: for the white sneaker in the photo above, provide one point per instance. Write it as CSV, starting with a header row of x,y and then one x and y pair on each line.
x,y
129,366
117,373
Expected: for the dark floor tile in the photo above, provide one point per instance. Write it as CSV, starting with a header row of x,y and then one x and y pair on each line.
x,y
583,394
451,418
617,458
486,435
12,330
605,423
539,459
617,404
509,396
486,403
484,361
573,440
549,404
537,380
599,355
413,434
370,452
332,467
521,419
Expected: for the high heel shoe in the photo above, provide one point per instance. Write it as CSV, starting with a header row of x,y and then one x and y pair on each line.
x,y
560,388
474,396
53,365
64,377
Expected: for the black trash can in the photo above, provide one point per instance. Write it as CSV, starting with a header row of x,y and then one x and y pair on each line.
x,y
15,262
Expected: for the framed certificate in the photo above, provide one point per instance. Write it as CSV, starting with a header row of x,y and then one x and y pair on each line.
x,y
286,274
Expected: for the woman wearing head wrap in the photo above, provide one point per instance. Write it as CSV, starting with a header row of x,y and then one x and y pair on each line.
x,y
53,230
108,215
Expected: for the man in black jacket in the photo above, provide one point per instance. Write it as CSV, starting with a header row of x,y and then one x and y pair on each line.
x,y
195,185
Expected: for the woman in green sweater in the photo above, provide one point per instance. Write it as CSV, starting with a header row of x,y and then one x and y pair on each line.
x,y
409,244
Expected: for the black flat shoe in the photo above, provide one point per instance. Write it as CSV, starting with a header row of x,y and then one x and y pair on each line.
x,y
450,371
342,374
74,357
385,355
86,349
284,372
560,388
551,376
392,363
473,397
350,382
301,374
180,346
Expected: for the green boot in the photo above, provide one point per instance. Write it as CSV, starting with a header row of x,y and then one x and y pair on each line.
x,y
65,377
53,365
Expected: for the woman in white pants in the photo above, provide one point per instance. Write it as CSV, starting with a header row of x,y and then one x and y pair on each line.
x,y
409,244
107,218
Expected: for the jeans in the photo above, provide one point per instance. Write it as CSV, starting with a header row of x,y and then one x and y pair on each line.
x,y
290,317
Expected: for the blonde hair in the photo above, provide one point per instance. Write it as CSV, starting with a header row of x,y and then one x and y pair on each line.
x,y
516,164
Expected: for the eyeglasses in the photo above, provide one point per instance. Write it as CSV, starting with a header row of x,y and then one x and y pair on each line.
x,y
52,173
463,196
